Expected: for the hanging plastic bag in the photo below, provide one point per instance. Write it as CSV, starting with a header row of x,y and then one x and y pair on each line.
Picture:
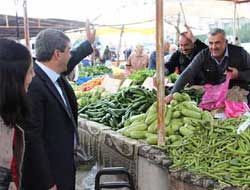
x,y
235,109
215,95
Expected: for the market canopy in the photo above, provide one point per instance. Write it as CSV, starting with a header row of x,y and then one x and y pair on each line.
x,y
124,12
8,28
237,1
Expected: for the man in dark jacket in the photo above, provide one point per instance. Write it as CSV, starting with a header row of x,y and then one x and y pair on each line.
x,y
189,47
212,63
51,131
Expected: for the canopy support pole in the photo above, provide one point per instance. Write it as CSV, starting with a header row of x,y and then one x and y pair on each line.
x,y
26,25
234,22
120,45
160,73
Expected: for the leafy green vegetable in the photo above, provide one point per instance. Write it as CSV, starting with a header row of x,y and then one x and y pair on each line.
x,y
138,77
94,71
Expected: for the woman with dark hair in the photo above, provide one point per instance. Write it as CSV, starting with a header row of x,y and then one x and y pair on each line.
x,y
16,73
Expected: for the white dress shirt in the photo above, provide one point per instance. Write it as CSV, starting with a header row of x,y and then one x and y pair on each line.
x,y
53,76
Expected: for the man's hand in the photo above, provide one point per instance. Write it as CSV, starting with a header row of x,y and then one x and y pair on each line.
x,y
54,187
168,98
90,34
234,72
189,34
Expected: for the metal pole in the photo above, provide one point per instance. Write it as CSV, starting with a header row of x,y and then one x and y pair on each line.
x,y
6,20
39,22
183,14
17,20
234,24
160,73
177,35
120,45
26,25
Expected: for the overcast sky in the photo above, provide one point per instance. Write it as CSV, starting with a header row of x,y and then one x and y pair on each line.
x,y
54,8
75,9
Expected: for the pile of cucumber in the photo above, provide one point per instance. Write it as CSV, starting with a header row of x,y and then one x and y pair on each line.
x,y
115,109
181,117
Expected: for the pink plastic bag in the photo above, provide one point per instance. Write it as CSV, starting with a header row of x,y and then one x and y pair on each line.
x,y
215,95
235,109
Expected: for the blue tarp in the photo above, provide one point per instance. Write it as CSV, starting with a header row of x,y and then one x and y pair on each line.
x,y
82,80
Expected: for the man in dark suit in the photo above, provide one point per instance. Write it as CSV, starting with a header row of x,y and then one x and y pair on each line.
x,y
51,131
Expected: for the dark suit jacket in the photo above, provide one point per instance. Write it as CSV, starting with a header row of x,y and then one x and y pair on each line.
x,y
50,131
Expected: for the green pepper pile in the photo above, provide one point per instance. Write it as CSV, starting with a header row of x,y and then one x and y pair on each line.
x,y
215,150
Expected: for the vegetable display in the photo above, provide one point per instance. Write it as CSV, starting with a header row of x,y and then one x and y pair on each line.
x,y
88,97
215,150
173,77
195,94
94,71
115,109
139,76
196,142
90,84
179,118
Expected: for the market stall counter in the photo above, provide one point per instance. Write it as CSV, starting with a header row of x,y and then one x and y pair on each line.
x,y
109,148
149,165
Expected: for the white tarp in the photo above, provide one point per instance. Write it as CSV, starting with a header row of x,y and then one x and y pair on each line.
x,y
122,11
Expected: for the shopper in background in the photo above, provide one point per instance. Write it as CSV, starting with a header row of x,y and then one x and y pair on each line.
x,y
95,56
16,73
172,49
152,59
127,53
137,60
106,54
51,131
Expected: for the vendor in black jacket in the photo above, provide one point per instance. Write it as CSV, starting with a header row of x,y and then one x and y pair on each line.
x,y
212,63
189,47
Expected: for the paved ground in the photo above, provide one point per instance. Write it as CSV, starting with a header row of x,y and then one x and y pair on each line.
x,y
85,178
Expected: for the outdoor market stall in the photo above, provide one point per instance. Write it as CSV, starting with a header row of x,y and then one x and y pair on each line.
x,y
199,150
124,128
196,152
